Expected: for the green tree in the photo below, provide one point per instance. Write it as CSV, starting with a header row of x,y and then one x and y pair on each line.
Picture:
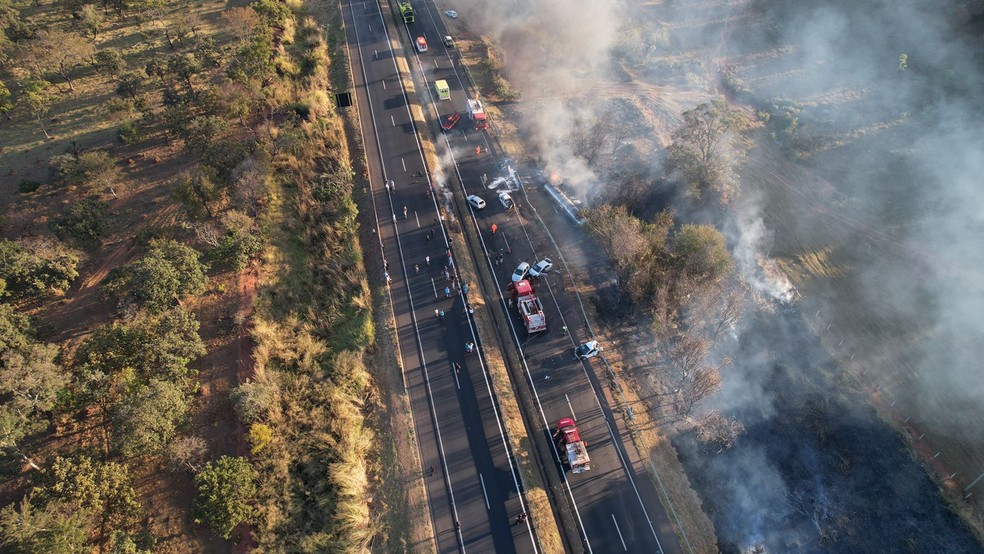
x,y
32,378
110,61
15,326
148,420
6,101
253,63
198,190
185,67
700,252
37,266
153,346
85,221
168,272
91,18
128,85
103,489
52,528
14,429
94,168
36,97
226,493
703,153
202,130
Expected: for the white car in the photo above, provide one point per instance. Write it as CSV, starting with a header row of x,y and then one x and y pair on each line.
x,y
520,272
587,350
541,267
476,201
448,41
452,14
506,200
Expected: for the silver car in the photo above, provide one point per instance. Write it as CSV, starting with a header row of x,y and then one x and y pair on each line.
x,y
541,267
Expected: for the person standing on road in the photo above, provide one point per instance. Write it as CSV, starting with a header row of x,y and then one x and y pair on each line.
x,y
464,288
447,292
404,212
427,259
416,269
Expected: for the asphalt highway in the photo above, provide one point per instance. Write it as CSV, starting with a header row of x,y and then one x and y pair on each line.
x,y
473,491
615,503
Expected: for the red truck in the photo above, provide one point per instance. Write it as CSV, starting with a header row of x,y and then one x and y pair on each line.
x,y
569,442
530,309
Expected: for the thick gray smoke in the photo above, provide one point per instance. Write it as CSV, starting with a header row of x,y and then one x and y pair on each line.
x,y
866,181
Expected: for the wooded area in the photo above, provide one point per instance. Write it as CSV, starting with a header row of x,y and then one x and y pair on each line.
x,y
203,196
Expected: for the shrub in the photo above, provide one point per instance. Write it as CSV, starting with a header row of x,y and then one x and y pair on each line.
x,y
129,133
259,437
82,221
95,168
27,187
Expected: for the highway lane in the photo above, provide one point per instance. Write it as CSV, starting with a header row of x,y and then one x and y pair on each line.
x,y
472,491
617,505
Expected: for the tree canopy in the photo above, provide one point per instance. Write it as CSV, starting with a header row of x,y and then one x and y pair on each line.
x,y
168,272
705,151
226,492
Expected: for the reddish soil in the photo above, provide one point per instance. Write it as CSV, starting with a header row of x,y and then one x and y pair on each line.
x,y
244,540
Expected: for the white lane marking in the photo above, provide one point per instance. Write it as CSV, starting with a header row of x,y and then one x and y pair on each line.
x,y
384,84
417,218
404,162
434,286
574,417
375,54
619,534
436,66
393,121
370,28
485,493
458,383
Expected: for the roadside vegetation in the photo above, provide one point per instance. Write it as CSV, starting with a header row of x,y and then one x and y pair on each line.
x,y
191,226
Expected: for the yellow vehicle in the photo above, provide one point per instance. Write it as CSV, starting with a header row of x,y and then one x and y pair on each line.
x,y
406,10
442,89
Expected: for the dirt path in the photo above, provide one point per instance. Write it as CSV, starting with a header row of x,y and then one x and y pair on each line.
x,y
245,369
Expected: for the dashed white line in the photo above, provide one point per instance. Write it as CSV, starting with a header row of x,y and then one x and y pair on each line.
x,y
571,407
404,162
619,534
393,121
384,84
485,493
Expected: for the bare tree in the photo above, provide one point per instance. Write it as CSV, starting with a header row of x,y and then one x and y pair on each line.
x,y
58,51
713,428
249,185
700,384
187,453
821,510
241,21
